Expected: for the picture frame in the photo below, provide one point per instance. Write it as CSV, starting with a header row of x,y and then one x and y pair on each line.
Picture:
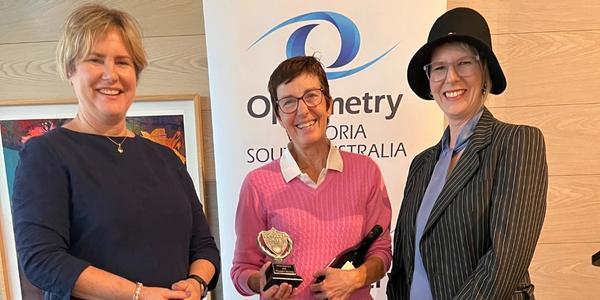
x,y
172,120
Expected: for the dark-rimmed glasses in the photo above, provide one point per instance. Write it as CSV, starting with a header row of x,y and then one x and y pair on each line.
x,y
464,67
311,98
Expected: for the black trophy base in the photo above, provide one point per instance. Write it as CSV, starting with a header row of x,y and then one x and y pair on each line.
x,y
277,274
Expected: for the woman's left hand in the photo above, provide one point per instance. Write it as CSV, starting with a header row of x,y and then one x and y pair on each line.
x,y
338,284
190,286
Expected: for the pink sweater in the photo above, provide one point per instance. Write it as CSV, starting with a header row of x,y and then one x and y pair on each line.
x,y
321,222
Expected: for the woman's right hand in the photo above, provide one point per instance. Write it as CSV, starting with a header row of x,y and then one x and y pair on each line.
x,y
156,293
275,292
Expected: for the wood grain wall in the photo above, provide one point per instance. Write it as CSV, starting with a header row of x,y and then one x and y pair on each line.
x,y
549,50
550,53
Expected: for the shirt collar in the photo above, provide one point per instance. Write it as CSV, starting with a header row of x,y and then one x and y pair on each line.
x,y
291,170
463,137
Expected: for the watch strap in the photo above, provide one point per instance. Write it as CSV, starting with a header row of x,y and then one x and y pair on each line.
x,y
201,282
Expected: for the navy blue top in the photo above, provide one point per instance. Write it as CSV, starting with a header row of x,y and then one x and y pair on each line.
x,y
78,202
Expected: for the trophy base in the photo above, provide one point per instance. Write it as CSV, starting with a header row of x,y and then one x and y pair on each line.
x,y
280,273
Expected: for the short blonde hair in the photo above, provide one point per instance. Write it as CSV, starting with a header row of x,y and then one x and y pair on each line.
x,y
90,22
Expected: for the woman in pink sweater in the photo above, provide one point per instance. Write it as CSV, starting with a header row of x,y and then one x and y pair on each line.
x,y
324,198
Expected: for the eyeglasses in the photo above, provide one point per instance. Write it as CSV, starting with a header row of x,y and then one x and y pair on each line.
x,y
311,98
464,67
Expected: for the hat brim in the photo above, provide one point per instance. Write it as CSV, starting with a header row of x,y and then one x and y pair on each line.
x,y
418,81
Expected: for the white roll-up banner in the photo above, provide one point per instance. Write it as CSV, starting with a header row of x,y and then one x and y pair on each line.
x,y
365,47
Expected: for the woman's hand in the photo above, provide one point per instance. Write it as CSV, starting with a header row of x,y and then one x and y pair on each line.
x,y
156,293
275,292
192,287
338,284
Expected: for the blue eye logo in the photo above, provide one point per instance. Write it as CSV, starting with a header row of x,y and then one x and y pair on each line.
x,y
349,36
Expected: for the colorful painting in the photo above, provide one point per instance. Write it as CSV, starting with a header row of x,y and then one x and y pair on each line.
x,y
165,130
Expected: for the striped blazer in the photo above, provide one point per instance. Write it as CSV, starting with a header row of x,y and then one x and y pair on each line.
x,y
483,229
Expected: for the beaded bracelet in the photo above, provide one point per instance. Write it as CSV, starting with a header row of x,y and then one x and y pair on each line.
x,y
138,289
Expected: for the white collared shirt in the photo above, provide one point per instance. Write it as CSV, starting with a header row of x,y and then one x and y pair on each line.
x,y
291,170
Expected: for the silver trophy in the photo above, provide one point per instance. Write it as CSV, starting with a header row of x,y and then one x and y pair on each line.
x,y
278,245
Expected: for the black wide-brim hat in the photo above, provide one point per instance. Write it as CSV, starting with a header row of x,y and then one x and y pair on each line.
x,y
463,25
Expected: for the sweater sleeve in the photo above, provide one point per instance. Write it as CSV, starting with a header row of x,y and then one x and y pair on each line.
x,y
41,217
202,245
249,220
379,211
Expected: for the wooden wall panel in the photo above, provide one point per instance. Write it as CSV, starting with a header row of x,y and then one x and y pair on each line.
x,y
28,69
549,68
35,21
573,210
177,65
514,16
572,133
565,271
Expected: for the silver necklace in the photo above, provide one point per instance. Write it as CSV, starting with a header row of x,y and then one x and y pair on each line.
x,y
119,145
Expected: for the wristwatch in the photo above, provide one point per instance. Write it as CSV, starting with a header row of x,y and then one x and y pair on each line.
x,y
202,283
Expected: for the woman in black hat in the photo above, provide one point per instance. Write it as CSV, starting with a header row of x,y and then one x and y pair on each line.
x,y
474,204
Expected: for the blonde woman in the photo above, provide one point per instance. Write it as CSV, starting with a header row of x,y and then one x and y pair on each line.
x,y
100,213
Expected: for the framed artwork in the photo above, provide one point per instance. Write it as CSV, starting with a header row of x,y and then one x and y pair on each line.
x,y
173,121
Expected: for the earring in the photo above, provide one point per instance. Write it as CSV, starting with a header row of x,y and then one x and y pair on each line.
x,y
484,89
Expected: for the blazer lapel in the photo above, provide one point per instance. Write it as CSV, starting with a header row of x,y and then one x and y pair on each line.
x,y
464,169
417,184
421,180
